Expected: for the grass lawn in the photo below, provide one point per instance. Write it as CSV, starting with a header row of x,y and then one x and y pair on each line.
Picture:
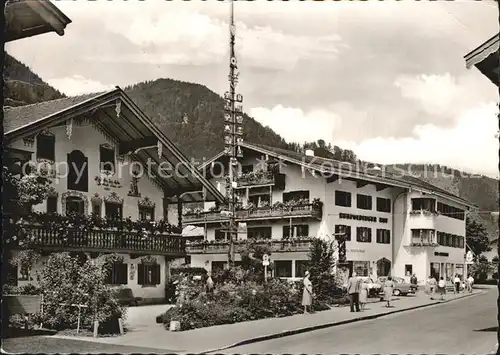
x,y
48,345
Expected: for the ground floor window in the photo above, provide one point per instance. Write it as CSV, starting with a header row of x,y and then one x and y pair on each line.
x,y
361,268
449,270
117,274
300,268
283,268
459,269
435,270
148,274
408,270
218,265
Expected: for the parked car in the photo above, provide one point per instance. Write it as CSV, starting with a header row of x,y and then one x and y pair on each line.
x,y
374,288
401,287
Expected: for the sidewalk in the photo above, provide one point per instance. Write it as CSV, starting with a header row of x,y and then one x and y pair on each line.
x,y
218,338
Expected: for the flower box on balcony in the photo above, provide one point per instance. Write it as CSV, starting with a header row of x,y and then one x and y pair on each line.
x,y
424,244
423,213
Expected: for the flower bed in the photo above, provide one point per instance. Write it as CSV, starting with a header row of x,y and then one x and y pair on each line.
x,y
233,303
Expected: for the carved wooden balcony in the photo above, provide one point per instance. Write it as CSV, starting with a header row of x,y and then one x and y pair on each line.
x,y
276,245
101,240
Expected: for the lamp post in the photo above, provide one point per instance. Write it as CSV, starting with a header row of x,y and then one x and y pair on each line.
x,y
233,131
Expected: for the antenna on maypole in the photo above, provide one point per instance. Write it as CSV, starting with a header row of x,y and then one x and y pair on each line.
x,y
233,131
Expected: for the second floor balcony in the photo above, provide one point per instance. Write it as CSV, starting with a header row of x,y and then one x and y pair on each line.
x,y
278,210
302,244
83,234
261,178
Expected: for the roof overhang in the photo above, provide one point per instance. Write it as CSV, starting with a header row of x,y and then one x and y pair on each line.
x,y
121,121
27,18
329,170
486,59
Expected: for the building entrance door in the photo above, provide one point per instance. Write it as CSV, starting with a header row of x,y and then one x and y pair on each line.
x,y
383,267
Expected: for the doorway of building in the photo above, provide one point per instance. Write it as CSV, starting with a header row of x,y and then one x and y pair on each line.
x,y
383,267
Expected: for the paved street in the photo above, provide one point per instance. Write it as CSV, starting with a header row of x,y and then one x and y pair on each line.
x,y
450,328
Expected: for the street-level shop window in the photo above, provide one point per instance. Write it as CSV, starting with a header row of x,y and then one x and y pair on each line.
x,y
435,270
363,202
301,268
283,268
383,204
383,236
363,235
52,204
117,274
361,268
148,274
46,147
297,230
340,228
343,198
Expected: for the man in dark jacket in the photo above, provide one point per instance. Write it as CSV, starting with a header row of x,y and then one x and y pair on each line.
x,y
353,286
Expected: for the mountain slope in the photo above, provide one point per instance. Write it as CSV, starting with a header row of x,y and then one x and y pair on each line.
x,y
23,87
167,101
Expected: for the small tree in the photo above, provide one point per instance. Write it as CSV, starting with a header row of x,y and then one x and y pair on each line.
x,y
251,260
480,269
321,266
64,281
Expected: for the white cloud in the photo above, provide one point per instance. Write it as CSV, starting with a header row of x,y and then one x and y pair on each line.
x,y
470,145
435,93
296,125
78,85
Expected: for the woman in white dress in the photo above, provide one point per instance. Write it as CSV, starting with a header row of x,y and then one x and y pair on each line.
x,y
363,294
388,289
307,293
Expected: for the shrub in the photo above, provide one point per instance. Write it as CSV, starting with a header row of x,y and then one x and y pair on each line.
x,y
64,280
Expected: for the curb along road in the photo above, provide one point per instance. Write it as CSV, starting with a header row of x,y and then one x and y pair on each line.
x,y
333,324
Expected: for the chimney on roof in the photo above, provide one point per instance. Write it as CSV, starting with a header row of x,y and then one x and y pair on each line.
x,y
309,152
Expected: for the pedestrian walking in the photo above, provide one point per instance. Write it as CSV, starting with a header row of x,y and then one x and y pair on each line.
x,y
441,288
363,294
307,294
353,290
388,290
470,283
432,286
209,284
414,281
457,283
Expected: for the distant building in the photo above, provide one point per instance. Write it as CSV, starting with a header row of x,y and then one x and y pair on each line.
x,y
393,224
27,18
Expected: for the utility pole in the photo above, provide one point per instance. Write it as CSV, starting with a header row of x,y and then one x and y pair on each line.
x,y
233,117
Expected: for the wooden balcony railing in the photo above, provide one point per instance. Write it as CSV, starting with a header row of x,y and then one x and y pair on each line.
x,y
308,210
276,245
103,240
266,178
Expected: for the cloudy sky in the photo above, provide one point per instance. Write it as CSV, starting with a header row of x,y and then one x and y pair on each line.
x,y
385,79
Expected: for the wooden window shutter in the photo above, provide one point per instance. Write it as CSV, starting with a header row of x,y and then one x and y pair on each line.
x,y
123,273
140,274
157,275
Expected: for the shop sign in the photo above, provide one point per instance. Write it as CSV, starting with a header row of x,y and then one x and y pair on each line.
x,y
357,250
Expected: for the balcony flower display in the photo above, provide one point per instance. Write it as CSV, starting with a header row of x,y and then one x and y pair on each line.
x,y
62,224
257,177
424,212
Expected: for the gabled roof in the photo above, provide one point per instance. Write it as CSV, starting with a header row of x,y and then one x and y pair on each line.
x,y
486,58
27,18
346,170
119,118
